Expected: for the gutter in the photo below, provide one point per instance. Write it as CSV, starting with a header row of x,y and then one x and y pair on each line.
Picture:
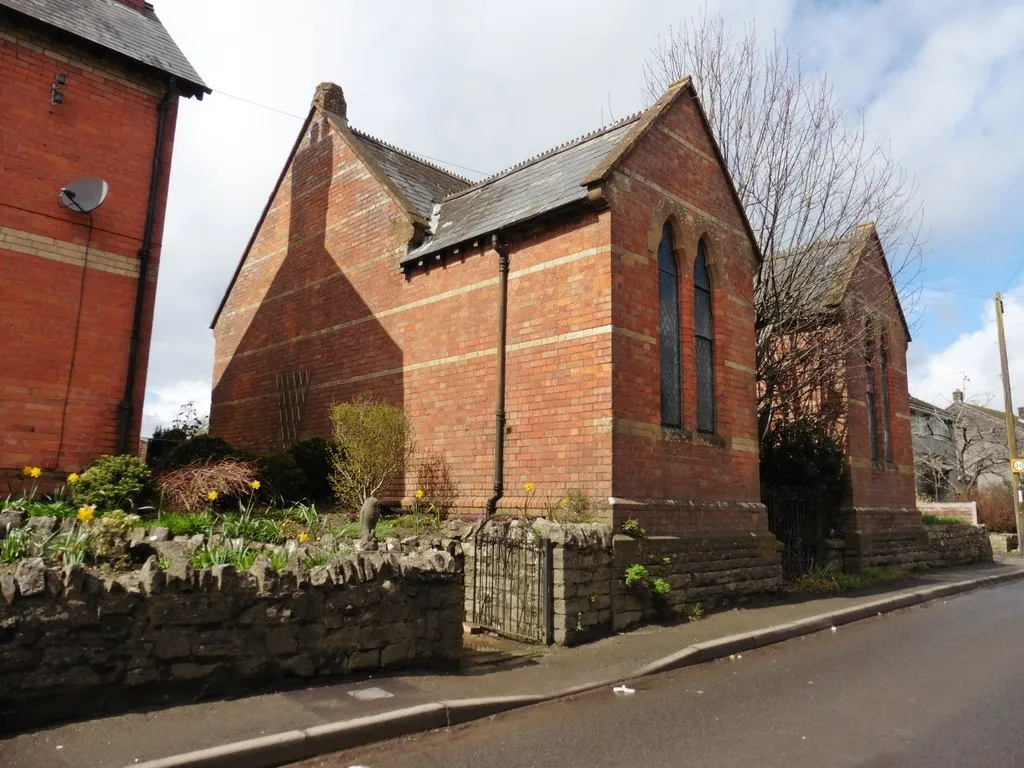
x,y
499,410
126,408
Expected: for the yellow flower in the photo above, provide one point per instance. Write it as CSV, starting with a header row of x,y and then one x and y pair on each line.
x,y
529,487
85,513
303,537
72,478
31,471
565,502
419,494
255,485
212,496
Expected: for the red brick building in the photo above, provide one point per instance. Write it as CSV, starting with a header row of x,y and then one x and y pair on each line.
x,y
630,330
853,295
87,88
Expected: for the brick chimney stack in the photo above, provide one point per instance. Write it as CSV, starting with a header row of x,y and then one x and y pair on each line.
x,y
330,98
958,395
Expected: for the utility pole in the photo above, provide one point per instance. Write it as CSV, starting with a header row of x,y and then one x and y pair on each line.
x,y
1011,422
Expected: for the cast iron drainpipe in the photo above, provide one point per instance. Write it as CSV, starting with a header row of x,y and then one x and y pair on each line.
x,y
499,411
126,407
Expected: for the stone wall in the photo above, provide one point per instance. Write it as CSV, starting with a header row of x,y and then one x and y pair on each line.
x,y
75,644
958,544
588,565
1002,543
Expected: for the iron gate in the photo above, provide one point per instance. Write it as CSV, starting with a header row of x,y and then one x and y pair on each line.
x,y
801,520
512,585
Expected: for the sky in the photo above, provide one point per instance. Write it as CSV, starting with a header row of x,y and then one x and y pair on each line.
x,y
482,85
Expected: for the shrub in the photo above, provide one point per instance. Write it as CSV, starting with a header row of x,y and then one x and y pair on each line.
x,y
801,454
191,487
280,477
436,491
995,507
633,528
111,482
636,576
929,519
201,447
375,444
314,459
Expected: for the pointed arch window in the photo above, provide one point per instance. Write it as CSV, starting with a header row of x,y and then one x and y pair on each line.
x,y
883,362
668,327
869,390
704,341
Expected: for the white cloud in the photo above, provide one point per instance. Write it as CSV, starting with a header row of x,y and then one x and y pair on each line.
x,y
163,403
487,84
974,355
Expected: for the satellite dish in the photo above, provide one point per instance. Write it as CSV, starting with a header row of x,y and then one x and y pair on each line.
x,y
84,195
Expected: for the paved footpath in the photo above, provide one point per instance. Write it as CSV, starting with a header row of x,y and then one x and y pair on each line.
x,y
132,739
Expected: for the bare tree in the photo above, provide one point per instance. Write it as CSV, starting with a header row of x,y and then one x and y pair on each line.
x,y
808,175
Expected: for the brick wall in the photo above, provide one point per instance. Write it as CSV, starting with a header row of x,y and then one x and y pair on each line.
x,y
881,490
321,291
672,176
105,127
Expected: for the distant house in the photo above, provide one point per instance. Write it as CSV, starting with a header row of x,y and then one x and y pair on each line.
x,y
88,88
979,435
935,454
847,296
630,332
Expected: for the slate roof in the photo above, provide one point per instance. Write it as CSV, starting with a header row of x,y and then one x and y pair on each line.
x,y
422,183
917,404
820,272
139,35
539,185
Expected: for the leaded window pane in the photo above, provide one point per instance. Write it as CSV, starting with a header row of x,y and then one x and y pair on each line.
x,y
886,432
872,419
705,385
703,329
668,337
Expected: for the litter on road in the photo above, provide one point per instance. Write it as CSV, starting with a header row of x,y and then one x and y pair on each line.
x,y
624,690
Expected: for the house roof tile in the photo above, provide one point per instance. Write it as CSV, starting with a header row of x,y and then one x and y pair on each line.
x,y
138,35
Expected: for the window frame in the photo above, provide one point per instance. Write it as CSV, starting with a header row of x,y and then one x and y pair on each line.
x,y
705,379
668,280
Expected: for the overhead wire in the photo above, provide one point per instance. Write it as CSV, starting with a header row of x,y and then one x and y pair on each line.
x,y
302,117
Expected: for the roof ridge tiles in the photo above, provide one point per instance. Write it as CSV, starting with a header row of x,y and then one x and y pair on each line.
x,y
409,154
546,154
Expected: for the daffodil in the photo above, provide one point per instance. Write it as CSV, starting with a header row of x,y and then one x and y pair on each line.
x,y
419,493
73,478
85,513
565,502
212,496
31,471
255,484
529,487
303,537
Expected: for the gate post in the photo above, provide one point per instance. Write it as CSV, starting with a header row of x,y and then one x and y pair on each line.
x,y
548,589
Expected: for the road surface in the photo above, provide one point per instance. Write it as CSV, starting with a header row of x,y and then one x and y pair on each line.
x,y
941,684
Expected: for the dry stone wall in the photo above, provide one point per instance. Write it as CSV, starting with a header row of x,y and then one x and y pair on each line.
x,y
74,644
958,544
588,564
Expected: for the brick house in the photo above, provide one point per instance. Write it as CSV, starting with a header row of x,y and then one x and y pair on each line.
x,y
852,295
88,88
630,335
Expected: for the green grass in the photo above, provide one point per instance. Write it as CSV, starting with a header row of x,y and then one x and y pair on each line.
x,y
314,559
940,520
251,529
824,580
207,557
182,524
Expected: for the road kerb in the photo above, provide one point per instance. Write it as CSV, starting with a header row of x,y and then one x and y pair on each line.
x,y
291,746
263,752
345,734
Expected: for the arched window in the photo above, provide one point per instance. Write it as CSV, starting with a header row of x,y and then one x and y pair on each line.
x,y
704,337
668,337
883,362
869,390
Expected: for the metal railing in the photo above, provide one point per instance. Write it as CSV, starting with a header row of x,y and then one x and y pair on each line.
x,y
512,586
801,520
